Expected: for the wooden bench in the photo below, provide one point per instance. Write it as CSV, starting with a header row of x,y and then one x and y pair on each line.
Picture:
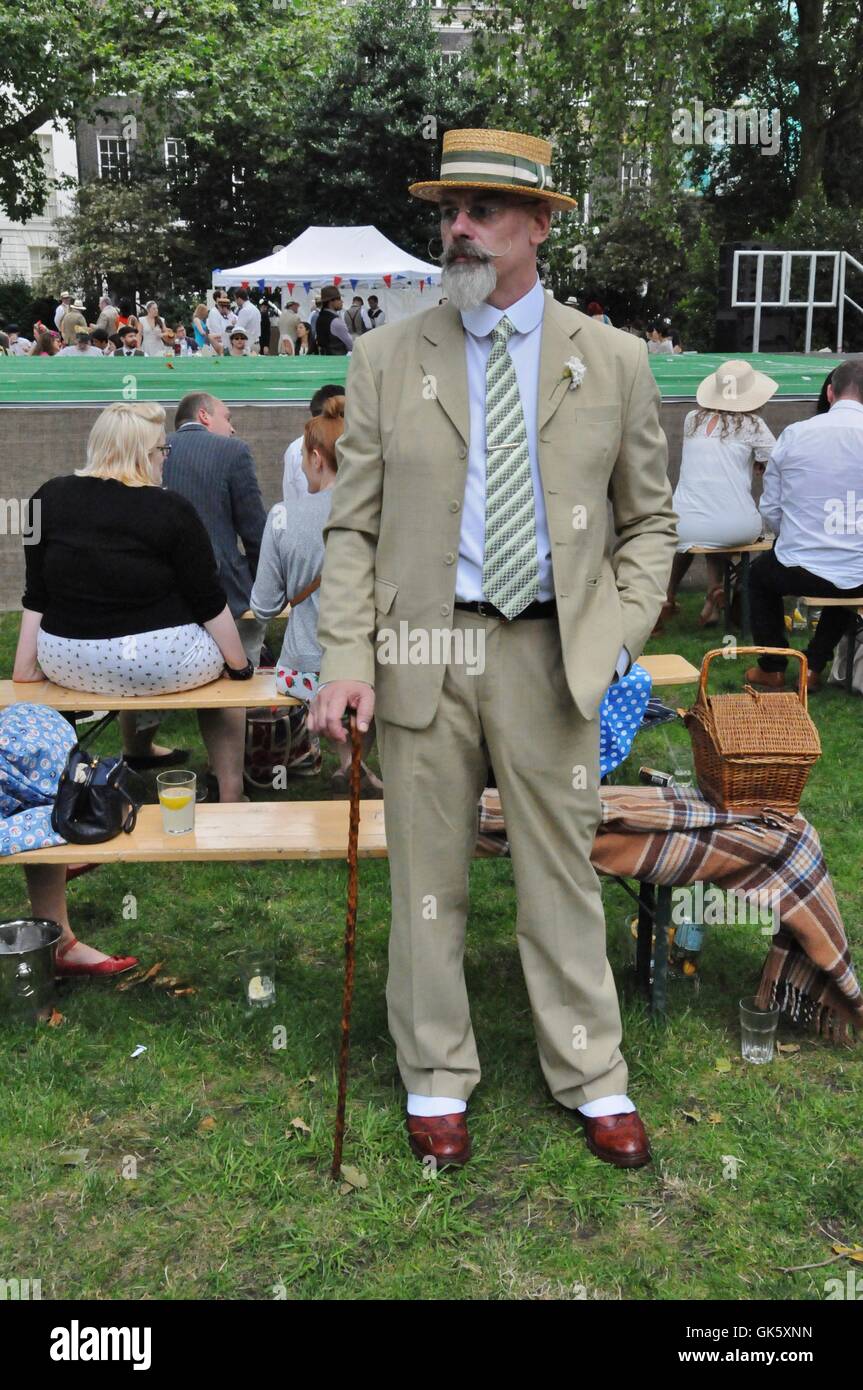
x,y
310,830
856,606
738,555
666,668
220,694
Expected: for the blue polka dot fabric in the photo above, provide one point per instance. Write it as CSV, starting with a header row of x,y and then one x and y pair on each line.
x,y
34,745
620,716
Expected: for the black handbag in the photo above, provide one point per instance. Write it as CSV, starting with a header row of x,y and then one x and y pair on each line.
x,y
96,797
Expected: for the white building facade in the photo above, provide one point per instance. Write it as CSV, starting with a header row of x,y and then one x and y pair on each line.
x,y
24,246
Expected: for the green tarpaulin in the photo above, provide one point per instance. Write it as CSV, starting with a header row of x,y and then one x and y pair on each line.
x,y
88,380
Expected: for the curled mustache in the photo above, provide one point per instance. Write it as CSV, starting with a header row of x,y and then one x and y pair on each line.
x,y
472,250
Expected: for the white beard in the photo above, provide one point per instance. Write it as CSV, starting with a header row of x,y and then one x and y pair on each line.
x,y
468,284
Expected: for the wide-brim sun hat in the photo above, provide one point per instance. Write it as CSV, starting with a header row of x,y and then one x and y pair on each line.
x,y
735,386
503,161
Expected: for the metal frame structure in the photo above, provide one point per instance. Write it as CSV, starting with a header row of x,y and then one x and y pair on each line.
x,y
838,294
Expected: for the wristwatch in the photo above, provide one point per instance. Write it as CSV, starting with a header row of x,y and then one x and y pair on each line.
x,y
245,673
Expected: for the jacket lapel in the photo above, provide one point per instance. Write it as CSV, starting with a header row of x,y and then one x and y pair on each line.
x,y
444,364
558,335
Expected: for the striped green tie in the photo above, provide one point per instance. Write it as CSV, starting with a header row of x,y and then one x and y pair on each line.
x,y
510,578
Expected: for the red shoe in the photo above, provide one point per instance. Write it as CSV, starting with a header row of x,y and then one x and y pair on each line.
x,y
114,965
444,1138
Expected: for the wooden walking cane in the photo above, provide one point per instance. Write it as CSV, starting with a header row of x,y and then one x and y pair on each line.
x,y
350,943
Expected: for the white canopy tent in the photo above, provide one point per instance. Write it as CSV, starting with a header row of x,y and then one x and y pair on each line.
x,y
360,260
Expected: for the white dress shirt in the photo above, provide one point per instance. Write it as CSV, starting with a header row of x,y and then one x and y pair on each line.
x,y
812,487
524,345
218,327
294,484
249,317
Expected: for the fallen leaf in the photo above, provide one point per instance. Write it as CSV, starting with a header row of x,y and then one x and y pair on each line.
x,y
167,982
466,1264
788,1047
855,1252
723,1064
345,1189
693,1116
307,1081
353,1176
56,1019
129,980
73,1158
714,1117
142,976
207,1124
183,993
300,1125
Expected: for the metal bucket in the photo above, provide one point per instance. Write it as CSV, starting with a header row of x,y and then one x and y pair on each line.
x,y
27,950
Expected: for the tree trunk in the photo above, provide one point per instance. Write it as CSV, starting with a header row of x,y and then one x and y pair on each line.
x,y
810,111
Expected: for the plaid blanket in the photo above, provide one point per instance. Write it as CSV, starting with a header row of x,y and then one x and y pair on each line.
x,y
668,835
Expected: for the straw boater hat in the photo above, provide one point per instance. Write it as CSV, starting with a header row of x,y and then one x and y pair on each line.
x,y
501,160
736,386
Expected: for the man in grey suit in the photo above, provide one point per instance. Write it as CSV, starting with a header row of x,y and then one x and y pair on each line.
x,y
214,471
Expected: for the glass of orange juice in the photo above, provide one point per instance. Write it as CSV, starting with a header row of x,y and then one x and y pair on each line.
x,y
177,799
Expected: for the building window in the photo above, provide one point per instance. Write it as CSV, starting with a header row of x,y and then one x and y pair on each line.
x,y
114,158
46,146
634,172
176,154
42,261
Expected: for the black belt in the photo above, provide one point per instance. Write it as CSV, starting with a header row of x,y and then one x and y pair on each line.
x,y
545,608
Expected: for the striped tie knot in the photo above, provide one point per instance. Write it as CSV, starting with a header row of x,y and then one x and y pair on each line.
x,y
503,331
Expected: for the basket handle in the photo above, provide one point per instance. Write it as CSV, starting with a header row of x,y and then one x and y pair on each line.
x,y
759,651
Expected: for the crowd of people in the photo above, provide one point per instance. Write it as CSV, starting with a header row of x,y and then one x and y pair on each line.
x,y
241,327
808,473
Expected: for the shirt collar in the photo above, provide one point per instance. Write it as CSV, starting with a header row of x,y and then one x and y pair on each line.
x,y
846,405
191,425
525,314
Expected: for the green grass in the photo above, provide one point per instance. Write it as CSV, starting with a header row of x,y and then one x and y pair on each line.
x,y
234,1208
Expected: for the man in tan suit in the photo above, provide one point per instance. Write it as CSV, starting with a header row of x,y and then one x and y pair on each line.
x,y
468,601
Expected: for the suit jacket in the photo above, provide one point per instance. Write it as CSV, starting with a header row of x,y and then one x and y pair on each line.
x,y
216,473
393,535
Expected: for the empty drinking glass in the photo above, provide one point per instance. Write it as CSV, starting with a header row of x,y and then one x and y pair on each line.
x,y
757,1031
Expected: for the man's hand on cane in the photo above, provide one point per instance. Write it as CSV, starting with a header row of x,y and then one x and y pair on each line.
x,y
331,702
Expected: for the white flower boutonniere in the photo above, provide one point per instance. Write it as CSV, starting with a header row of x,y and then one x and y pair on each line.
x,y
575,370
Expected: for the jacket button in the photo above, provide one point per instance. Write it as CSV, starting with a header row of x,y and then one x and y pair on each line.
x,y
462,453
449,559
444,610
453,506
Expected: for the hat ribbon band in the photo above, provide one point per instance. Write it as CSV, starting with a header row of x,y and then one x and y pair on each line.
x,y
466,165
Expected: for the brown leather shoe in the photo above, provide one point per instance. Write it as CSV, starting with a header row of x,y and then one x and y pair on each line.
x,y
444,1137
617,1139
770,680
813,681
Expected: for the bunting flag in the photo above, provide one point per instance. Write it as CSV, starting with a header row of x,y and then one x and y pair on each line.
x,y
244,284
291,284
422,285
388,280
337,280
261,284
354,284
307,285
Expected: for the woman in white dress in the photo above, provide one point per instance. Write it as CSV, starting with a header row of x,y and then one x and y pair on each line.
x,y
152,328
724,443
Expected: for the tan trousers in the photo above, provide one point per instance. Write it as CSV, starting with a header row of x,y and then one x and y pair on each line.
x,y
517,714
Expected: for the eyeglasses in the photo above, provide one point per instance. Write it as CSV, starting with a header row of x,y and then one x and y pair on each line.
x,y
477,212
163,449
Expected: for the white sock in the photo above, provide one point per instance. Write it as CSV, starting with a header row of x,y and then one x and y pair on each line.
x,y
435,1105
606,1105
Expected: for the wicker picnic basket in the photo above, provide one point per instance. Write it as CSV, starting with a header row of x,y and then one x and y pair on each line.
x,y
753,749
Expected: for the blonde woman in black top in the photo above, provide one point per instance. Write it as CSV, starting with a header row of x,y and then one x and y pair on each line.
x,y
122,593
